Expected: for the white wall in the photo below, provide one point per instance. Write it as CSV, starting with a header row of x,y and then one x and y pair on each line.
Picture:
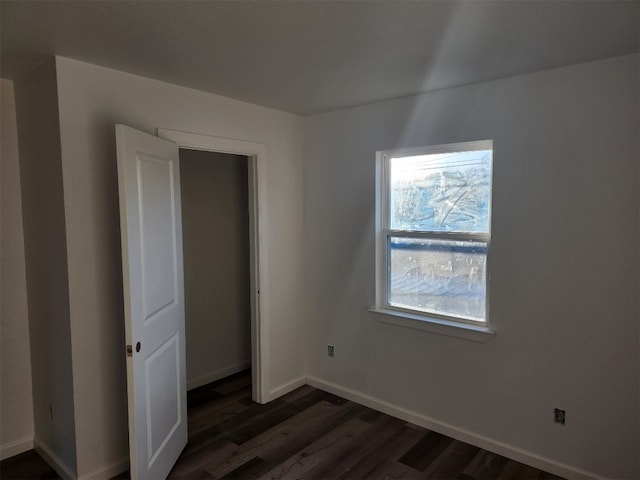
x,y
46,266
215,239
91,101
564,266
16,400
564,285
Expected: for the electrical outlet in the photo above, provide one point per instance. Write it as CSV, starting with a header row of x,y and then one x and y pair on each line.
x,y
330,350
559,416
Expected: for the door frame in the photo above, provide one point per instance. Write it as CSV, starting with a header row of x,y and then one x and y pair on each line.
x,y
256,155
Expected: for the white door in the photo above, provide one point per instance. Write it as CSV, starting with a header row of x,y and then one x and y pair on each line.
x,y
151,232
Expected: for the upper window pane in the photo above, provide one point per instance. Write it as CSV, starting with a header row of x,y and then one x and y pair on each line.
x,y
443,192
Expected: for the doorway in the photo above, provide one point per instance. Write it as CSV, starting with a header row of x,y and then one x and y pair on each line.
x,y
216,247
256,157
153,280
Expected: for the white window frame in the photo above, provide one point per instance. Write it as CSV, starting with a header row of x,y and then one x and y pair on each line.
x,y
407,317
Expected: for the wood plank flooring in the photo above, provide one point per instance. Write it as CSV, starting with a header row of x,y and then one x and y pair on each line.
x,y
27,465
310,434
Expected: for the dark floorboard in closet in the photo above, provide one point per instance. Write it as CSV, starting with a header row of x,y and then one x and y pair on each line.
x,y
309,434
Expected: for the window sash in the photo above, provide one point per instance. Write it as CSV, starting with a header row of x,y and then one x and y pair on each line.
x,y
383,250
385,174
483,237
386,273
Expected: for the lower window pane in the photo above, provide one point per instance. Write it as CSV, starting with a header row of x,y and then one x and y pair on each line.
x,y
444,277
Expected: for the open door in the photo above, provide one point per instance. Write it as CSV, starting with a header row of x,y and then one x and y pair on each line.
x,y
151,231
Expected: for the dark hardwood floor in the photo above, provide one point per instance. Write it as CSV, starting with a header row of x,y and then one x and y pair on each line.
x,y
27,465
312,434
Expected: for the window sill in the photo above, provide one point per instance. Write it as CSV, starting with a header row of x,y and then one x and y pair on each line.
x,y
474,333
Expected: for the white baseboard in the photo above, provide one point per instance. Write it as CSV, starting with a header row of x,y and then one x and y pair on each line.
x,y
109,471
287,387
16,447
218,374
480,441
53,460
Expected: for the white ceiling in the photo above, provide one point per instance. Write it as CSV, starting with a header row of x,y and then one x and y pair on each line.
x,y
312,56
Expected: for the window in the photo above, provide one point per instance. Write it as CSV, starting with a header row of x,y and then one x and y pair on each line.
x,y
434,230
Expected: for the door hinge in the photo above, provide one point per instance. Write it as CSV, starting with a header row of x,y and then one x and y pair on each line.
x,y
129,351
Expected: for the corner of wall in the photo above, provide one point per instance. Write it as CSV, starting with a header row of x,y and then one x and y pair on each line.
x,y
16,403
46,264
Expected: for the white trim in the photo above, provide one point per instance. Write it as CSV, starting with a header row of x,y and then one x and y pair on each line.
x,y
457,433
16,447
381,221
197,141
287,388
471,146
257,155
217,374
441,326
109,471
53,460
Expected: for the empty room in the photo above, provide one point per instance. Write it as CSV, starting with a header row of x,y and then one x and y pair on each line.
x,y
320,239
